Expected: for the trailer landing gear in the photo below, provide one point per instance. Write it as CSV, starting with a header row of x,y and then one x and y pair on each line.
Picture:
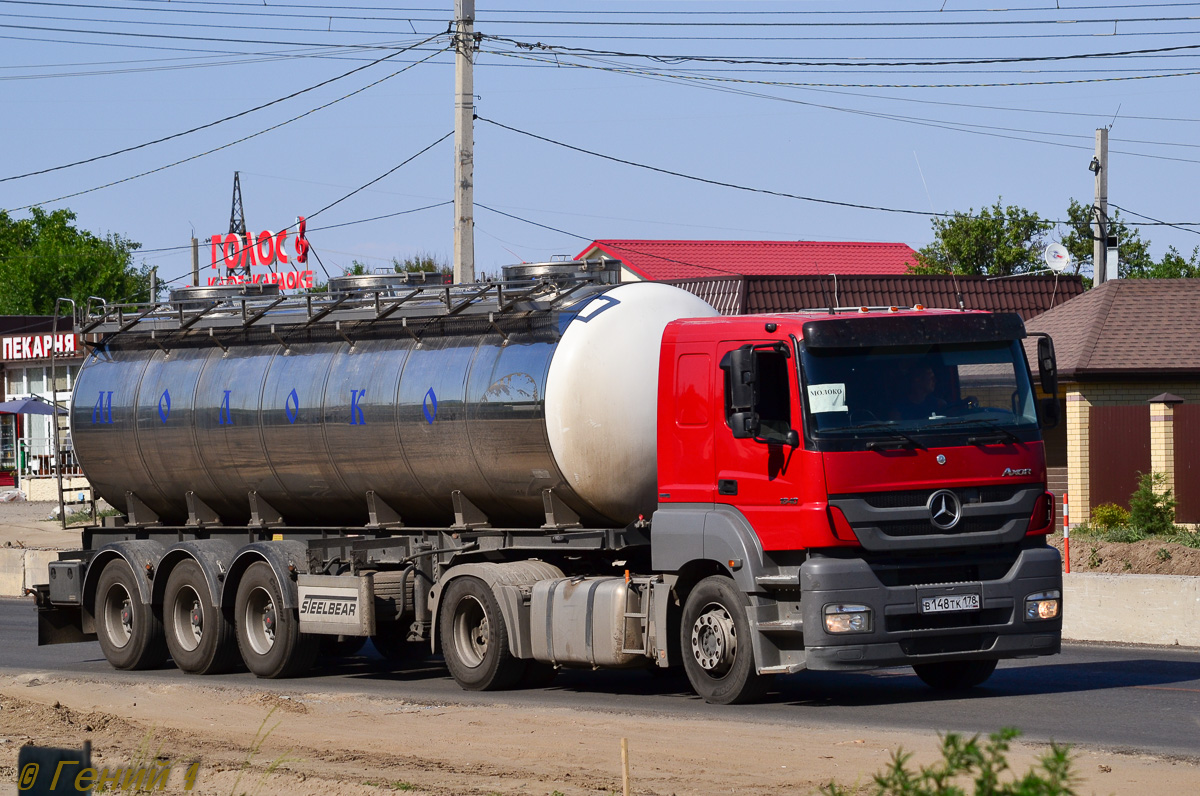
x,y
129,633
715,635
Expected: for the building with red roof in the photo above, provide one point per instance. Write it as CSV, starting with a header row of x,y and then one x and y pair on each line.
x,y
660,260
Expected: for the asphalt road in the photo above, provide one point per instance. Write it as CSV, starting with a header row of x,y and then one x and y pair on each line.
x,y
1134,699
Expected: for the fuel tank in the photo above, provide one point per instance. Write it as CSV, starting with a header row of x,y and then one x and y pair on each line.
x,y
313,413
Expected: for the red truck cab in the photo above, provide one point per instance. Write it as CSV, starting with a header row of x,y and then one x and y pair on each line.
x,y
873,482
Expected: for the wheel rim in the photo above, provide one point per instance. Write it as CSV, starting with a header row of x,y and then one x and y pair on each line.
x,y
118,615
187,616
260,620
714,640
470,631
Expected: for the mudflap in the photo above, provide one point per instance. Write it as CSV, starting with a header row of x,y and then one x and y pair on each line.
x,y
58,624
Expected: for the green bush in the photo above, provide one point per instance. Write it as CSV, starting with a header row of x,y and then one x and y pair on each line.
x,y
983,764
1152,508
1110,516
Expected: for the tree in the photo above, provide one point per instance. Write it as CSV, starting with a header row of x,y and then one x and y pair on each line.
x,y
1173,266
1133,253
998,241
422,261
44,257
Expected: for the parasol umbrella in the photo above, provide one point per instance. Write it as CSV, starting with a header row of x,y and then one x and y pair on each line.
x,y
30,406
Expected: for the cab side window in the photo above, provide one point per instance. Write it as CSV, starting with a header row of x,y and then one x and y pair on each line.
x,y
773,405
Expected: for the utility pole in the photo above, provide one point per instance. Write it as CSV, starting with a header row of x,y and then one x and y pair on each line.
x,y
195,263
464,141
1099,167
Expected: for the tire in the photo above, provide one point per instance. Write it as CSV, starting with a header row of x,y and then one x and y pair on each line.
x,y
130,632
715,636
199,636
475,638
955,675
269,635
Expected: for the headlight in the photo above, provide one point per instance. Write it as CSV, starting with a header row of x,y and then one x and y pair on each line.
x,y
841,618
1043,605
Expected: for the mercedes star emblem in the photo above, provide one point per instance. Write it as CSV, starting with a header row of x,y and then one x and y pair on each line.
x,y
945,510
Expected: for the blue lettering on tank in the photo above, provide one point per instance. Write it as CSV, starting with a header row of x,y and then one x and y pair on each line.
x,y
292,406
103,408
164,405
430,405
224,418
356,412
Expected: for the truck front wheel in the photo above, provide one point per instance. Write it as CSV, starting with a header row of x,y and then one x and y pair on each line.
x,y
200,638
475,638
129,632
715,637
955,675
268,634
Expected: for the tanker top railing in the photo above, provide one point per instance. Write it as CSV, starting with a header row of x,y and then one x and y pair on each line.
x,y
238,311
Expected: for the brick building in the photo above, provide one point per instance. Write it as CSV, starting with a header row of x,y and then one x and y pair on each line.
x,y
1129,373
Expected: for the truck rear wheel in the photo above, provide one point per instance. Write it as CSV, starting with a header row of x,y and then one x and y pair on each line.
x,y
715,636
200,638
268,634
129,632
955,675
475,638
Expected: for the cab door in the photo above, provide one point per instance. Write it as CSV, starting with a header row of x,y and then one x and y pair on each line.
x,y
761,475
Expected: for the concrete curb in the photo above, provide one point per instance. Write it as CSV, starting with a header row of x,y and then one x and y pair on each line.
x,y
20,569
1137,609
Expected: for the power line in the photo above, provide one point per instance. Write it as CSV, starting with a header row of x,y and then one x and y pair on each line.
x,y
231,143
206,126
676,59
707,181
1184,226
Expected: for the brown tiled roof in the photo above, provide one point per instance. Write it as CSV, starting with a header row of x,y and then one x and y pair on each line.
x,y
1027,296
1127,327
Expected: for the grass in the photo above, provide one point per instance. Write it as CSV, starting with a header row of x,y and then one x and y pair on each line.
x,y
1128,534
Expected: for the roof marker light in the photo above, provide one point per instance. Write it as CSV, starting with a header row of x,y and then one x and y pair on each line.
x,y
918,306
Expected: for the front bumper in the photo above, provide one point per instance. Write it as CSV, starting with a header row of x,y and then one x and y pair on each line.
x,y
902,635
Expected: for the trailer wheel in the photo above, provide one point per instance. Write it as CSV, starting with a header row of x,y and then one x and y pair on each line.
x,y
475,638
129,632
715,636
200,638
955,675
268,634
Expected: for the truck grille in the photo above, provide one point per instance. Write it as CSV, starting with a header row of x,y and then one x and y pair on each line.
x,y
915,498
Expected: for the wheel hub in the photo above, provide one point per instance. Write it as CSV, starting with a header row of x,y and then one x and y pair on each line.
x,y
714,640
197,620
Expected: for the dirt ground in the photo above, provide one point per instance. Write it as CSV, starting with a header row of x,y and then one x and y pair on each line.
x,y
26,524
333,745
1147,557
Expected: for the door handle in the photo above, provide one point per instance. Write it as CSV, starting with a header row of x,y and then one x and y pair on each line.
x,y
727,486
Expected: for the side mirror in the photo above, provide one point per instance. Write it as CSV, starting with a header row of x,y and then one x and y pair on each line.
x,y
743,378
744,425
1049,412
792,440
1047,366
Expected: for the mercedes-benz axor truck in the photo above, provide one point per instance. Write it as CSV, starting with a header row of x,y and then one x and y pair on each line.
x,y
559,471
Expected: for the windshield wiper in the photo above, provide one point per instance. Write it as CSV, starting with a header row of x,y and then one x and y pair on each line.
x,y
894,436
993,432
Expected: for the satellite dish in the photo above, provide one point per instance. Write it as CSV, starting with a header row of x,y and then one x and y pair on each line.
x,y
1057,257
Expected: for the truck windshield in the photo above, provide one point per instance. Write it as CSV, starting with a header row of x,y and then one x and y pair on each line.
x,y
917,389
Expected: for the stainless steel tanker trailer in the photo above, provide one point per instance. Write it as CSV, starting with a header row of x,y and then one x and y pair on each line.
x,y
470,469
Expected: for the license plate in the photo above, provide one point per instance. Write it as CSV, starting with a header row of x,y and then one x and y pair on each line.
x,y
950,602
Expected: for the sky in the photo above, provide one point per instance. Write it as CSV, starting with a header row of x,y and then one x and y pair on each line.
x,y
883,112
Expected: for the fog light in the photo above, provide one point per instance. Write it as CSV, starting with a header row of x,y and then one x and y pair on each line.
x,y
841,618
1044,605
